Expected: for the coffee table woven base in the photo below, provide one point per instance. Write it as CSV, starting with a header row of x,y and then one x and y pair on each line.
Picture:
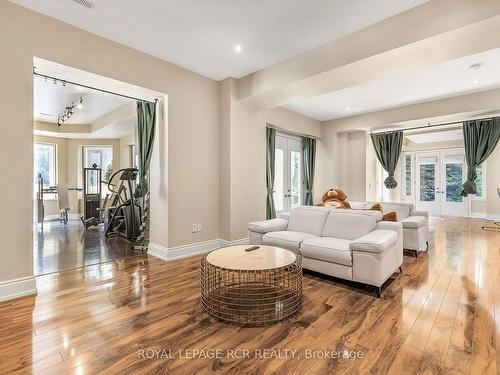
x,y
251,297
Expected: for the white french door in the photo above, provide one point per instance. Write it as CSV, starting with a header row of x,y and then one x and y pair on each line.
x,y
288,189
438,177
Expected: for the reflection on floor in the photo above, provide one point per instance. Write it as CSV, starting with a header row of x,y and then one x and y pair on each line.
x,y
60,247
441,316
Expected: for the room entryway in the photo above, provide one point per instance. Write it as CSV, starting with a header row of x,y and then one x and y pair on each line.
x,y
433,180
90,199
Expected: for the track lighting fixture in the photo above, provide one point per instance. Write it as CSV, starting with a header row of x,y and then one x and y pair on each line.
x,y
69,111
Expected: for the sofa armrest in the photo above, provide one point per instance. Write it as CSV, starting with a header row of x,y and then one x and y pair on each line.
x,y
394,226
377,241
420,213
266,226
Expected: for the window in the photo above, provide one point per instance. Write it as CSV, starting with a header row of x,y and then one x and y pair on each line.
x,y
480,183
102,156
45,166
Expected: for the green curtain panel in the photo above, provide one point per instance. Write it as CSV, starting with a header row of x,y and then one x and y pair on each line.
x,y
146,113
480,138
388,149
309,152
270,142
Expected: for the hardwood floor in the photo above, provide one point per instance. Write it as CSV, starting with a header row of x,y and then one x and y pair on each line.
x,y
441,316
59,247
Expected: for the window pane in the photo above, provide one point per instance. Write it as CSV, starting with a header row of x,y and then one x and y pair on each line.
x,y
427,182
479,180
454,175
278,179
102,156
295,182
45,166
408,175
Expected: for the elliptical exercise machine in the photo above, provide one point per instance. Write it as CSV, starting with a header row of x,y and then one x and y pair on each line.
x,y
124,214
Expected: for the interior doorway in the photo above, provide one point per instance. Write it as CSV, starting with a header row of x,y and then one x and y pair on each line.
x,y
433,180
85,169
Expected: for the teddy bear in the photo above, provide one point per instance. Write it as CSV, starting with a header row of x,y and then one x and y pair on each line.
x,y
335,198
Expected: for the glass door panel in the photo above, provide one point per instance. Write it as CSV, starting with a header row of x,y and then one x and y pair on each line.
x,y
427,184
295,179
288,190
279,179
453,166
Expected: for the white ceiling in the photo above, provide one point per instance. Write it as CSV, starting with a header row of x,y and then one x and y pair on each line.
x,y
436,136
200,35
117,130
439,81
51,99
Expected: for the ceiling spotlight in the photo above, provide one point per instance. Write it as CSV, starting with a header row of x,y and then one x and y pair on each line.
x,y
347,108
475,66
238,48
476,81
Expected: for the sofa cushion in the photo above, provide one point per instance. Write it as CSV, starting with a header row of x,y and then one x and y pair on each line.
x,y
348,226
377,241
414,222
308,220
268,225
286,239
328,249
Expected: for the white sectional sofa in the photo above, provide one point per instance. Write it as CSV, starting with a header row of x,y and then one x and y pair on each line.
x,y
415,223
351,246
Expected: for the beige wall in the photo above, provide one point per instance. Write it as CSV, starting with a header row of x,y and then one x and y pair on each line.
x,y
192,131
242,153
126,157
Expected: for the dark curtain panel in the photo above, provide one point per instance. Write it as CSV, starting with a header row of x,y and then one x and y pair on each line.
x,y
270,144
309,155
146,113
388,148
480,138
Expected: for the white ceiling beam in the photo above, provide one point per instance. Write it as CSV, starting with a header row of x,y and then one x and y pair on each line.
x,y
457,108
435,32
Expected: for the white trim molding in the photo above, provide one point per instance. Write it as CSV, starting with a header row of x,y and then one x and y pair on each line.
x,y
478,215
11,289
184,251
493,217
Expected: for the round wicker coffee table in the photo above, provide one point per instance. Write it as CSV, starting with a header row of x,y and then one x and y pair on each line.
x,y
251,287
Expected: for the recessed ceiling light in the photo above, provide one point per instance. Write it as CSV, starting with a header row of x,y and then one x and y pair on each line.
x,y
79,106
476,81
475,66
238,48
347,108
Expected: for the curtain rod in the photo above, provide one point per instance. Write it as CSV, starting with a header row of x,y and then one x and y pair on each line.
x,y
92,88
432,126
291,132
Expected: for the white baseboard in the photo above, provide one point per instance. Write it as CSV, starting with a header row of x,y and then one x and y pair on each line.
x,y
478,215
16,288
493,217
184,251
